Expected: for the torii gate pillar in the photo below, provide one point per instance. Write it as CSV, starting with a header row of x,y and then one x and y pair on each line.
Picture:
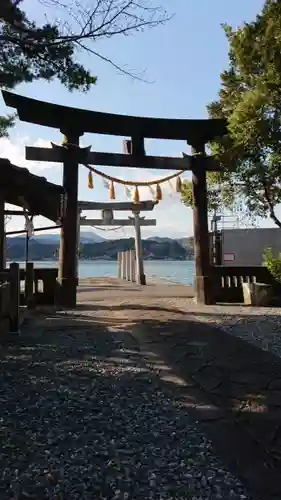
x,y
2,233
203,287
68,240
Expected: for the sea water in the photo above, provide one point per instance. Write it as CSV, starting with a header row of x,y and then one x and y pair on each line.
x,y
176,271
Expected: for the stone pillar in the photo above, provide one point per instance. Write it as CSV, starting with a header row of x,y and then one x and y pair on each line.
x,y
132,264
119,265
128,272
123,265
140,278
201,232
68,242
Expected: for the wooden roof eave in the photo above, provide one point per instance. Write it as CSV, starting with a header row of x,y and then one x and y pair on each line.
x,y
42,196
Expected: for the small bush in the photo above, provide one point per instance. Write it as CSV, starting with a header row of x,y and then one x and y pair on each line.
x,y
273,264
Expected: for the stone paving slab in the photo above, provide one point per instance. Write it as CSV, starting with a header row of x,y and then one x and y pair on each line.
x,y
241,382
240,402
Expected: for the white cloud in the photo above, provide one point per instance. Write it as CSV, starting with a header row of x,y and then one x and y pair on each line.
x,y
172,218
14,150
137,175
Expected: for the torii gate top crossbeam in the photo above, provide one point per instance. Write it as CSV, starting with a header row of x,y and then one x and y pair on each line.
x,y
85,121
142,206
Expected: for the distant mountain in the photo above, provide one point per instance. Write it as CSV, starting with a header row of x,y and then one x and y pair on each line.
x,y
153,249
90,237
187,243
160,238
54,238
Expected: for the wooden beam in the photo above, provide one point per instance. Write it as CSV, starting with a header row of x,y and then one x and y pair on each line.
x,y
117,222
37,229
143,206
57,155
16,212
58,116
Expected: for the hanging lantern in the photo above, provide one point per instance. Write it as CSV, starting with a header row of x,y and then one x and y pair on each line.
x,y
178,184
90,180
158,192
136,195
112,191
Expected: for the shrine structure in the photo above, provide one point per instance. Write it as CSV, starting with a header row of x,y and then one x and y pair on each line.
x,y
73,123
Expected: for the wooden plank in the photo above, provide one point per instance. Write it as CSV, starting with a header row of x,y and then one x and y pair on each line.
x,y
117,222
36,229
143,206
14,297
28,288
4,275
16,212
187,163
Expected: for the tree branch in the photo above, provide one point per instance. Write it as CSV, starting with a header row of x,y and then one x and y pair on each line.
x,y
269,201
105,19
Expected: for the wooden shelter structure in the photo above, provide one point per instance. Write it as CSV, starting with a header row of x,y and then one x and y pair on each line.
x,y
33,193
73,123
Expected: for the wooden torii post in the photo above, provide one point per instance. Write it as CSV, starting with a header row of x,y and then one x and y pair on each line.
x,y
135,221
73,123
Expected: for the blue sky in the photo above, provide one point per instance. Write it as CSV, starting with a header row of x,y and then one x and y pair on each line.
x,y
183,59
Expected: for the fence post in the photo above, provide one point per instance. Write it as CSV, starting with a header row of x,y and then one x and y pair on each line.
x,y
119,264
14,276
133,266
128,265
123,265
29,280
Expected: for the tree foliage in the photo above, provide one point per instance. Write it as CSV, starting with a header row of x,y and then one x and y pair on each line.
x,y
273,263
29,51
250,99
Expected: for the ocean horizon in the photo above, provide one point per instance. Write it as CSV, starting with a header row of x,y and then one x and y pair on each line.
x,y
177,271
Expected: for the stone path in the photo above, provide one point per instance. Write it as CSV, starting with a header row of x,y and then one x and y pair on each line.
x,y
127,397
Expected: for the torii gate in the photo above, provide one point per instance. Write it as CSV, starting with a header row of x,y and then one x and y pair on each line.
x,y
108,219
73,123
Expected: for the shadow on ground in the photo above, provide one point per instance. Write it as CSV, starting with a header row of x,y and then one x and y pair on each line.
x,y
73,386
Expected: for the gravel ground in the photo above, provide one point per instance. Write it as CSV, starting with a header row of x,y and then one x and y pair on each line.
x,y
261,326
84,416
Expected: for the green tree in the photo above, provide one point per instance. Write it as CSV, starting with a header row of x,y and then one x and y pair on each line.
x,y
29,51
250,99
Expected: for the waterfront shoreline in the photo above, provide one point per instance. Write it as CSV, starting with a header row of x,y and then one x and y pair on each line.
x,y
173,272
